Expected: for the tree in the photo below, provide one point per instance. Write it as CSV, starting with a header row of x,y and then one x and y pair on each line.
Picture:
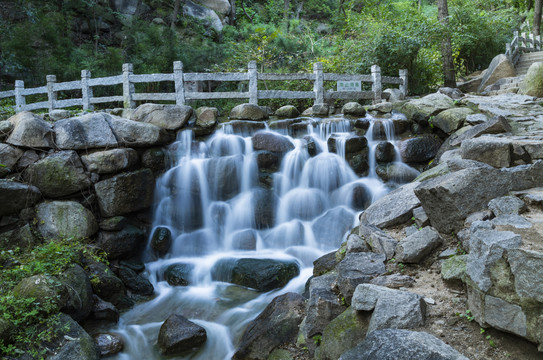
x,y
537,16
175,11
449,76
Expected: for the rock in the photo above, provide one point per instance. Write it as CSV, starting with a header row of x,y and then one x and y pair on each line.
x,y
58,174
421,219
356,244
9,156
206,117
378,240
356,269
270,141
179,336
395,95
349,144
115,223
515,221
30,131
16,196
125,193
264,204
135,282
244,240
136,134
385,152
454,268
267,161
507,205
79,301
275,326
221,7
486,248
451,120
84,132
396,172
533,82
106,284
496,125
392,209
394,281
259,274
504,316
353,109
396,344
419,149
500,67
178,274
248,112
324,264
450,198
221,168
470,85
207,16
23,238
170,117
383,108
109,344
476,119
43,288
391,308
128,8
287,111
121,244
161,240
154,159
76,343
421,110
322,307
330,227
490,150
29,157
103,310
65,220
417,246
453,93
110,161
526,267
342,333
244,127
319,110
6,127
59,114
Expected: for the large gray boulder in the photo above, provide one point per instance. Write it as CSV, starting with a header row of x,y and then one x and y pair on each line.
x,y
378,240
78,286
330,227
418,245
391,308
396,344
179,336
170,117
64,220
507,205
421,110
125,193
392,209
419,149
287,111
533,82
206,117
500,67
353,109
59,174
110,161
30,131
6,127
248,112
208,16
452,119
16,196
121,244
84,132
76,343
270,141
527,267
9,156
490,150
131,133
221,7
356,269
276,325
496,125
450,198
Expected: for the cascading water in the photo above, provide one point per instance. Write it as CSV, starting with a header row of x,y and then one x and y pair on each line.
x,y
215,207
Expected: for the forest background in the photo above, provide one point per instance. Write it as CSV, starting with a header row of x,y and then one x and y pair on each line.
x,y
62,37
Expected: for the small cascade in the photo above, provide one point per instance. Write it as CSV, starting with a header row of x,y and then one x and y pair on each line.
x,y
219,212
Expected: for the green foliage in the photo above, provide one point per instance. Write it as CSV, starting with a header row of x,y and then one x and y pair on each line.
x,y
467,315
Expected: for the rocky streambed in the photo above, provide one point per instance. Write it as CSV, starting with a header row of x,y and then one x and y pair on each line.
x,y
451,257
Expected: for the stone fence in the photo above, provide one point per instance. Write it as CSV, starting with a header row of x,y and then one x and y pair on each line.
x,y
183,94
522,42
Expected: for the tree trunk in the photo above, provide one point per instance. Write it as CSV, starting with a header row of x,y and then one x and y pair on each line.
x,y
233,12
449,77
286,9
537,16
175,11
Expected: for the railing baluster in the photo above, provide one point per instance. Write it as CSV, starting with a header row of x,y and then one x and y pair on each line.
x,y
20,100
51,93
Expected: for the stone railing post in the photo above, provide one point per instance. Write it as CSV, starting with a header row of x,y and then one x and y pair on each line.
x,y
20,100
179,83
508,51
376,86
403,85
253,83
51,94
128,87
86,90
318,86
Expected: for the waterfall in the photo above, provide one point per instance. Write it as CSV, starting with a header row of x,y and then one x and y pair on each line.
x,y
216,207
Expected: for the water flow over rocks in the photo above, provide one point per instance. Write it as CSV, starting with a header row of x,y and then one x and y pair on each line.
x,y
241,217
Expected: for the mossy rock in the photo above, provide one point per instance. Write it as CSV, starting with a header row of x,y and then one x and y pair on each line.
x,y
454,268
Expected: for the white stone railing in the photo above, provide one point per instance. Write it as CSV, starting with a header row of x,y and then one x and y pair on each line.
x,y
181,95
522,42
